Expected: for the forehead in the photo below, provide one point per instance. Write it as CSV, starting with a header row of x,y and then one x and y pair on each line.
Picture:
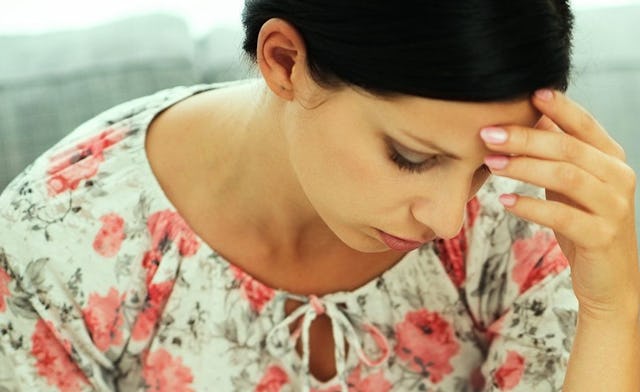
x,y
417,113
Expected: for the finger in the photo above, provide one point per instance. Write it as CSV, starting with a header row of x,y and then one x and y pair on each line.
x,y
582,228
545,123
557,146
575,120
566,179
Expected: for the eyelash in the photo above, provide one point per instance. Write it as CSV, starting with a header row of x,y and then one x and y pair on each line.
x,y
404,164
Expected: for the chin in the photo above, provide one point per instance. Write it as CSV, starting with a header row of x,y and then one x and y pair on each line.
x,y
366,247
367,244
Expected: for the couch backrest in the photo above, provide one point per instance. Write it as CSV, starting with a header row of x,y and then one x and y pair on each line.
x,y
51,83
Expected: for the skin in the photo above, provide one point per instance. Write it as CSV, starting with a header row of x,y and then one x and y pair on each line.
x,y
305,179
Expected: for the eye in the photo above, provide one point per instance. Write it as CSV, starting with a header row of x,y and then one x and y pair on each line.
x,y
411,161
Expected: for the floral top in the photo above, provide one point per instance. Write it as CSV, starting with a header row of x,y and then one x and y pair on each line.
x,y
104,286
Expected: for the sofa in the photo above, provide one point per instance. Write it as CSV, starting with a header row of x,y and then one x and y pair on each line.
x,y
50,83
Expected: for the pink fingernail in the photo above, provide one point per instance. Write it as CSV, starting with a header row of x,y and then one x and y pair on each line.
x,y
494,135
508,200
496,162
545,94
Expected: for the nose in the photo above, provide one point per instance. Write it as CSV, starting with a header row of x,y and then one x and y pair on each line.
x,y
443,210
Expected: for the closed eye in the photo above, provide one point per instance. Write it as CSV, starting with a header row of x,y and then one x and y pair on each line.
x,y
411,161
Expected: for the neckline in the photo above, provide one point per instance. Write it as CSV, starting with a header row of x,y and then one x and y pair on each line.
x,y
173,98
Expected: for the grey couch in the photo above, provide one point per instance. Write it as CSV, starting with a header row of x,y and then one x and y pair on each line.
x,y
51,83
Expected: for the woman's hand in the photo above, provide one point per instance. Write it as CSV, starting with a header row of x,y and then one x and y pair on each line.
x,y
589,200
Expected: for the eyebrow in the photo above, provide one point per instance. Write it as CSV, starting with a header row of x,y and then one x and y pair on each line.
x,y
429,144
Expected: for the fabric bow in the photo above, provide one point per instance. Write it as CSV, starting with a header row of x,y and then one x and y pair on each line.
x,y
342,329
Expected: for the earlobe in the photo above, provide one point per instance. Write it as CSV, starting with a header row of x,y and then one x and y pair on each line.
x,y
280,51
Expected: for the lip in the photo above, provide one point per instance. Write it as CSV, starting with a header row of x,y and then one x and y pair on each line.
x,y
397,243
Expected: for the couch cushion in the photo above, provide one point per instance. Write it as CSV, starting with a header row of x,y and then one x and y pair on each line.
x,y
51,83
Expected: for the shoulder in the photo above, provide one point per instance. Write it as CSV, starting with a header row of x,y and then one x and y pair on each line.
x,y
91,181
82,229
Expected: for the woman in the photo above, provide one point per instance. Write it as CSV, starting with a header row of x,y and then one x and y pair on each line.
x,y
332,225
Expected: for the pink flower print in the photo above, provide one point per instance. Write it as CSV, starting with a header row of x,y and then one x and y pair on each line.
x,y
426,343
473,210
104,319
452,256
150,262
4,289
273,380
452,252
80,162
476,379
70,177
166,226
255,292
509,374
156,299
163,373
53,361
495,329
536,258
109,239
375,382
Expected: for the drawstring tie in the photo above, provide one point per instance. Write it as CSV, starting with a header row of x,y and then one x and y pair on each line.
x,y
342,329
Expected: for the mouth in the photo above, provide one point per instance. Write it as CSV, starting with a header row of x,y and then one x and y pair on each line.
x,y
397,243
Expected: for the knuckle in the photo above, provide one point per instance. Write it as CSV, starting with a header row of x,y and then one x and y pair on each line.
x,y
524,139
621,207
601,234
629,179
568,176
607,235
561,220
570,149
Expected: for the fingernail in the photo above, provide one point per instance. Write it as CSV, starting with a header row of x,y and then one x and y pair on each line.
x,y
497,162
494,135
544,94
508,200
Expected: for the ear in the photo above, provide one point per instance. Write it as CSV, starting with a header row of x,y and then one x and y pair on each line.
x,y
281,57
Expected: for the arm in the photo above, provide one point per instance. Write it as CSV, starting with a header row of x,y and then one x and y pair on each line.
x,y
605,354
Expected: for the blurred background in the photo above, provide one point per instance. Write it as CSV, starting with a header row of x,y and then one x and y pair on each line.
x,y
34,16
63,62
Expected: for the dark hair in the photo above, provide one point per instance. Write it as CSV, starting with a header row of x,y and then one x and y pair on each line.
x,y
473,50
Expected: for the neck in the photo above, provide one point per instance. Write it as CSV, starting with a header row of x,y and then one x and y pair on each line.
x,y
259,182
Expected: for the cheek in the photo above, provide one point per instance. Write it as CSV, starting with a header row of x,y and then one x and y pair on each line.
x,y
338,170
351,171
